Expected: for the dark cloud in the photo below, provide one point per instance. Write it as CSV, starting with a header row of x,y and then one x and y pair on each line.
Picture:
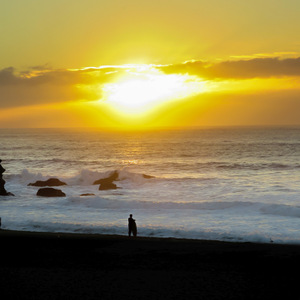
x,y
241,69
41,86
7,76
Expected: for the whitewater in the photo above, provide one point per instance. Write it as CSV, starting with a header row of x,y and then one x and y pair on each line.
x,y
229,184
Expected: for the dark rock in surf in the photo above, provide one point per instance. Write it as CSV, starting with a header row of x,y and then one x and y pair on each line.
x,y
107,183
50,192
147,176
107,186
3,191
49,182
87,194
113,177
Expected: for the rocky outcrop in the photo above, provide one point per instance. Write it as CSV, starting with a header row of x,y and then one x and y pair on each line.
x,y
113,177
107,186
50,192
107,183
147,176
49,182
3,191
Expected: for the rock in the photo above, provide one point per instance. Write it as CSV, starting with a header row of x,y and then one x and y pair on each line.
x,y
114,176
50,192
107,183
49,182
147,176
107,186
87,194
3,191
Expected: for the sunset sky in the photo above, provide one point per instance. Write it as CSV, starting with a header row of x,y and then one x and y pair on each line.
x,y
144,64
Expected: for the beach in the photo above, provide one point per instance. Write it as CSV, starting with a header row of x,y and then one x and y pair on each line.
x,y
225,184
217,213
39,265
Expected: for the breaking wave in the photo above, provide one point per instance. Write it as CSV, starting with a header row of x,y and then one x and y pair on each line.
x,y
234,206
84,178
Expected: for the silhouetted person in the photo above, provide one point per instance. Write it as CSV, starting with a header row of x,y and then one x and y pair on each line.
x,y
131,226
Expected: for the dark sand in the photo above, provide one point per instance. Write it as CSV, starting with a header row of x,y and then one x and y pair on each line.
x,y
75,266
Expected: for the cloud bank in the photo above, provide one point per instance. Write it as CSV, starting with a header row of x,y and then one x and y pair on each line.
x,y
240,69
42,86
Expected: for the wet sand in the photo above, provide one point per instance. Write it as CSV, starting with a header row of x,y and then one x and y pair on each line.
x,y
78,266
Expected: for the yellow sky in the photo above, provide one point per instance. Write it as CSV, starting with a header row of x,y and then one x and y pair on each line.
x,y
149,63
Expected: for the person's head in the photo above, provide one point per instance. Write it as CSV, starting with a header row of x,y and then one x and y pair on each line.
x,y
130,215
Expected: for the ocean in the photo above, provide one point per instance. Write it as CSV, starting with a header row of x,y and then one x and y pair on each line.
x,y
228,184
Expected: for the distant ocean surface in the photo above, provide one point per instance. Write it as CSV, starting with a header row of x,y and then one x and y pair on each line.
x,y
229,184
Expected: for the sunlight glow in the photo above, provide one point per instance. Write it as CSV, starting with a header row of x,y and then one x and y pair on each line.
x,y
145,88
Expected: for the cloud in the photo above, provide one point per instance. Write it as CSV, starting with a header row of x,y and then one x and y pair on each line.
x,y
7,77
238,69
42,86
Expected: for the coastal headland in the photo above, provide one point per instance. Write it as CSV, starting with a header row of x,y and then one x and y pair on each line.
x,y
84,266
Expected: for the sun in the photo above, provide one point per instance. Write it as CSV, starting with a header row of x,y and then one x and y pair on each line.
x,y
145,88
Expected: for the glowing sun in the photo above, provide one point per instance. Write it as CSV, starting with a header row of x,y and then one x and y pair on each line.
x,y
147,88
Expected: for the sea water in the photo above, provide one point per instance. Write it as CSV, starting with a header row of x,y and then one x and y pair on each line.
x,y
230,184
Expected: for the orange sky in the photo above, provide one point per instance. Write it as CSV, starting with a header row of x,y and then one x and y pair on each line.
x,y
138,64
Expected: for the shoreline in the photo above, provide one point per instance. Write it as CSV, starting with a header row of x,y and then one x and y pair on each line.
x,y
38,265
13,232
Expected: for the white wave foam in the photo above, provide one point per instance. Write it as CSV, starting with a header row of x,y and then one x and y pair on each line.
x,y
236,206
86,177
27,177
83,178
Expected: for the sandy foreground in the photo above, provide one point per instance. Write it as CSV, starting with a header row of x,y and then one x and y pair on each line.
x,y
82,266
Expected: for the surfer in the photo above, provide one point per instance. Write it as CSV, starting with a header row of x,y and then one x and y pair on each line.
x,y
131,226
